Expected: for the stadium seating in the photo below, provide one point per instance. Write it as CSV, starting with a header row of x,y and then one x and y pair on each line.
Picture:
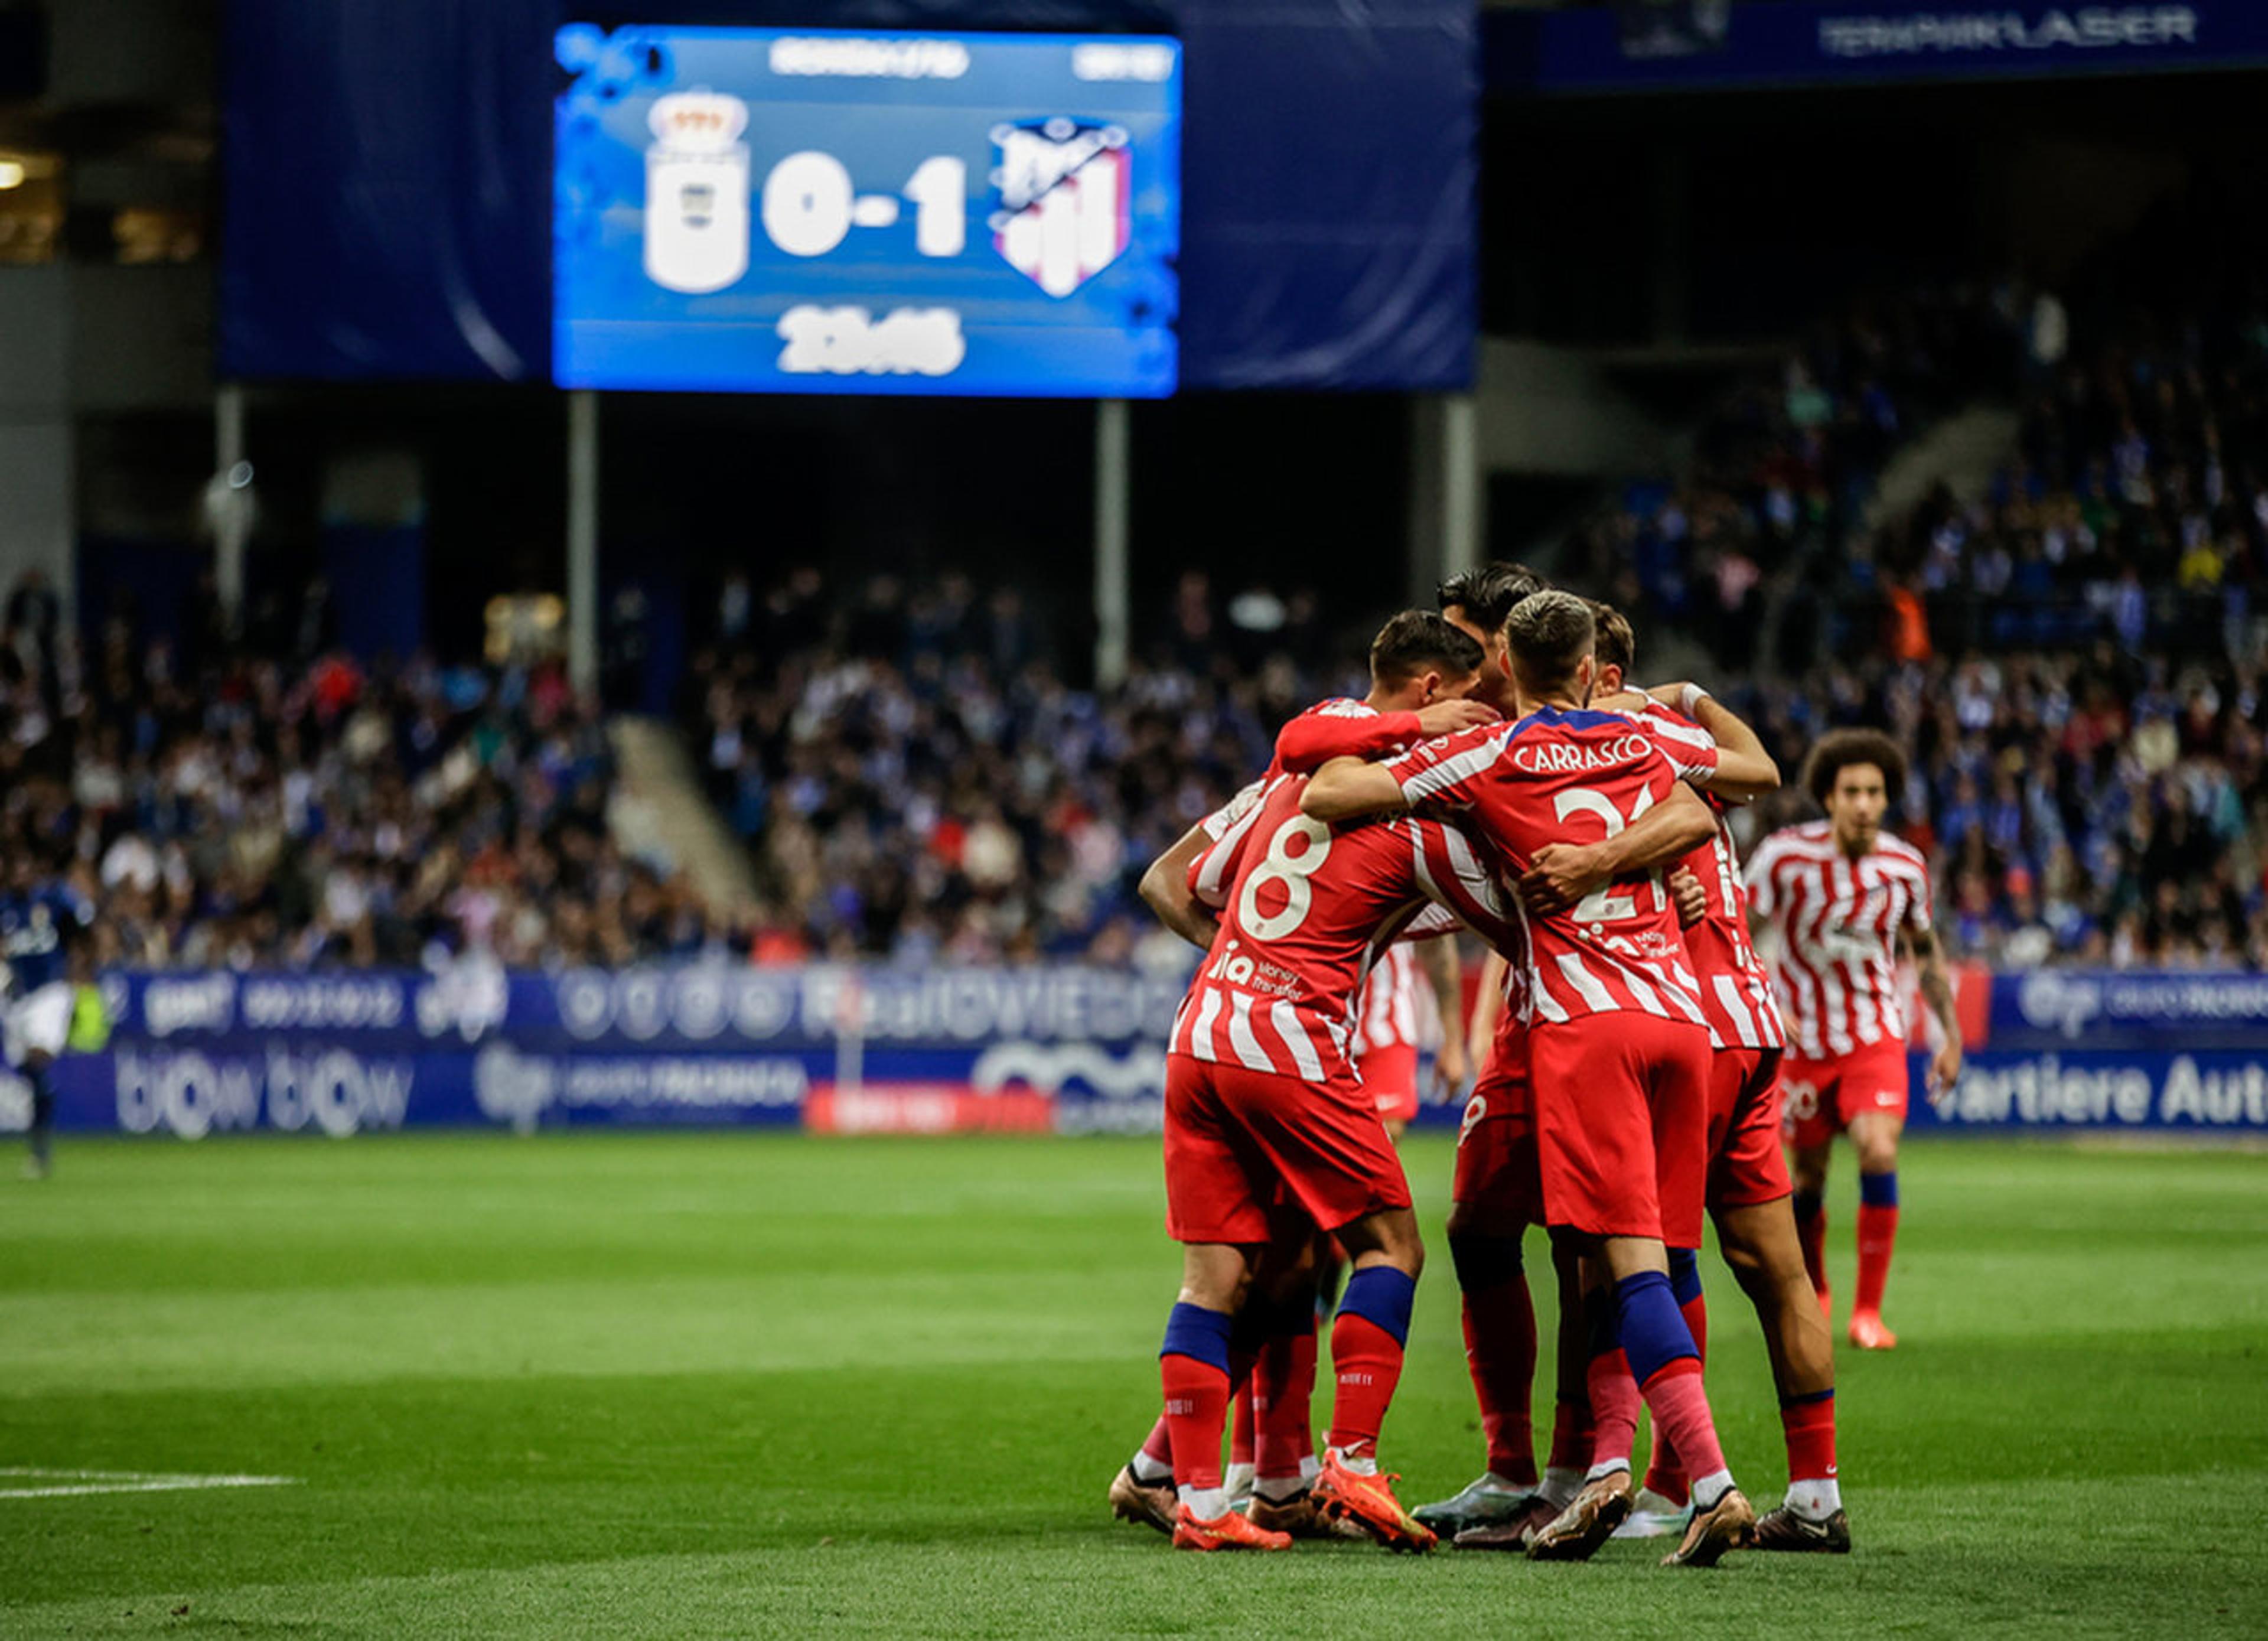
x,y
258,812
2069,657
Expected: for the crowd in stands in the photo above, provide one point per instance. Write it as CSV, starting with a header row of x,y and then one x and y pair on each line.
x,y
249,811
918,781
907,797
2071,657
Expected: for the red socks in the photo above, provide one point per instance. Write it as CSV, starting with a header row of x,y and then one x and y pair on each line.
x,y
1367,1361
1159,1444
1809,1427
1241,1408
1665,1471
1681,1411
1282,1384
1500,1355
1572,1431
1878,1234
1614,1410
1197,1407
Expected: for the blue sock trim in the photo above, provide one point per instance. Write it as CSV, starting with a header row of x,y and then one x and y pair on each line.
x,y
1879,1190
1199,1333
1651,1328
1380,1295
1808,1205
1484,1261
1827,1395
1685,1275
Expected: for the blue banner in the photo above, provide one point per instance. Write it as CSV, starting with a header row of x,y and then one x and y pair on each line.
x,y
2059,1008
2102,1090
845,1049
1702,45
852,1050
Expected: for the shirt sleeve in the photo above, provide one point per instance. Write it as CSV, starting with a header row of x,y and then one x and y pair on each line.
x,y
1432,923
1214,869
1444,771
1759,876
1217,823
1690,749
1341,728
1921,915
1455,875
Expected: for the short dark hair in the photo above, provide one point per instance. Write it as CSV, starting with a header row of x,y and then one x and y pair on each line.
x,y
1416,641
1488,593
1549,633
1616,643
1839,749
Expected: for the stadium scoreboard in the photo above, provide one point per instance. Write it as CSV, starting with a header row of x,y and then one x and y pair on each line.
x,y
814,211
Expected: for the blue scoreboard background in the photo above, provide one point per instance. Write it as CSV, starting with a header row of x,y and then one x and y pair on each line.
x,y
814,211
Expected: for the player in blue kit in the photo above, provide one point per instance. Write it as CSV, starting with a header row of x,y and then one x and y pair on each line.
x,y
44,929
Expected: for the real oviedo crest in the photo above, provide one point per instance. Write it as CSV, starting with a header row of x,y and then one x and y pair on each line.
x,y
1064,189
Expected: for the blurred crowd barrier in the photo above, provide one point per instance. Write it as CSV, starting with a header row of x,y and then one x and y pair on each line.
x,y
844,1048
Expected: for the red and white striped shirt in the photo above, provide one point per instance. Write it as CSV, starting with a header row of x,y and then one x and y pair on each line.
x,y
1310,910
1535,782
1338,727
1387,1013
1736,992
1839,921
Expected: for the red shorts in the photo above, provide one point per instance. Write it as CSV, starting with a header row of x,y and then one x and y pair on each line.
x,y
1746,1163
1822,1096
1238,1140
1390,1077
1622,1107
1497,1167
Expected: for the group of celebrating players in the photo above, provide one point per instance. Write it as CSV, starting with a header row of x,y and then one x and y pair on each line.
x,y
1635,1078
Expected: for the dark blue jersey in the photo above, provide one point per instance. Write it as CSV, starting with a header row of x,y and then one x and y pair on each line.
x,y
31,934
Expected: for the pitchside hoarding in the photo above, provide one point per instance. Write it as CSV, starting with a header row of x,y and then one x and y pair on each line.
x,y
847,1049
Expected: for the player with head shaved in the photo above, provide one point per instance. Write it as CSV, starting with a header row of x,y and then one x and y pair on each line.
x,y
1617,1045
1747,1186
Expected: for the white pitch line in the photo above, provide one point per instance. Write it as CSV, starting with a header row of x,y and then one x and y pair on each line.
x,y
74,1483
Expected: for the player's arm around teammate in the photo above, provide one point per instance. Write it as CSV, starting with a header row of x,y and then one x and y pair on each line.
x,y
1166,890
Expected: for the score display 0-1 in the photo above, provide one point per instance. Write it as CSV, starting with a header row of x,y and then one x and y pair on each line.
x,y
776,210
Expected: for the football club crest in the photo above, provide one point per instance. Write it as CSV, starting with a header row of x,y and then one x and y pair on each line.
x,y
1065,188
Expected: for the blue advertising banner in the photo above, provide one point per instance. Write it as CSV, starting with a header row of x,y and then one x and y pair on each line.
x,y
746,210
842,1049
2061,1008
837,1048
1710,45
2098,1089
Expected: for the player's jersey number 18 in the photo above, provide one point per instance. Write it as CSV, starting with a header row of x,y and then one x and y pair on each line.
x,y
1294,854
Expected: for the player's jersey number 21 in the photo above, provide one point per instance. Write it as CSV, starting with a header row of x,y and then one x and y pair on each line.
x,y
1604,904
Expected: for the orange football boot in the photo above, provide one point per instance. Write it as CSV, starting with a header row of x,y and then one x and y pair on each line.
x,y
1228,1531
1368,1501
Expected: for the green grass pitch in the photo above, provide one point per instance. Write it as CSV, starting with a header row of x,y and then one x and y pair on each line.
x,y
714,1385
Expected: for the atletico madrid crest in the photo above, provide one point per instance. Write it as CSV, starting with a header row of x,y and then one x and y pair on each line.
x,y
1064,188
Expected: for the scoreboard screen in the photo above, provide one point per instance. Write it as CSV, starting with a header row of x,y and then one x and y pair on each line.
x,y
827,210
